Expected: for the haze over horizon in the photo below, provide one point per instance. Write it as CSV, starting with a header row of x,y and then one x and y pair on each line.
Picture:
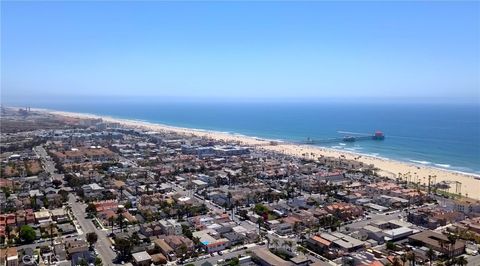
x,y
252,51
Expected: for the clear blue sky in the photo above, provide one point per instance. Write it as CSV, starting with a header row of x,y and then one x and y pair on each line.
x,y
252,50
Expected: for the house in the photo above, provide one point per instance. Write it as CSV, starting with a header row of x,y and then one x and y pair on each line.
x,y
66,228
9,257
211,243
180,244
141,258
92,191
438,242
171,227
59,215
159,259
104,205
42,216
466,205
78,257
165,249
284,229
266,258
75,246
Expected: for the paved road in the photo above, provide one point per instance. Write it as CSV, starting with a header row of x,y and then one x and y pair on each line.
x,y
103,244
48,163
473,260
214,260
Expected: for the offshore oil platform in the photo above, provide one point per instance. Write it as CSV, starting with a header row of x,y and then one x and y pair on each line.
x,y
348,137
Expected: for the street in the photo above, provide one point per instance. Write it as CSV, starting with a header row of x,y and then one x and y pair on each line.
x,y
103,244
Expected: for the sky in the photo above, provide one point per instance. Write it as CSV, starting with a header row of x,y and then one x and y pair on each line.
x,y
240,50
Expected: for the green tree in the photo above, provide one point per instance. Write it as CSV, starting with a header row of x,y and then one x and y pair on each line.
x,y
124,246
391,245
461,261
111,220
82,262
27,234
186,231
430,254
92,238
57,183
98,261
63,194
135,239
91,208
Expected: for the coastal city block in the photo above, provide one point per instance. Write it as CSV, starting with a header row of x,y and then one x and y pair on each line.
x,y
89,191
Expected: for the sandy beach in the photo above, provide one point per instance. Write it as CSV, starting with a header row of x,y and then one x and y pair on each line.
x,y
469,185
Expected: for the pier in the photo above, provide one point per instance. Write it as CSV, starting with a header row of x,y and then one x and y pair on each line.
x,y
347,137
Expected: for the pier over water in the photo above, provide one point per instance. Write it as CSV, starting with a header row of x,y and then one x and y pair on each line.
x,y
347,137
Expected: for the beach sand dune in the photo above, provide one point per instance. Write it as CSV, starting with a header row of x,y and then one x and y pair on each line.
x,y
470,186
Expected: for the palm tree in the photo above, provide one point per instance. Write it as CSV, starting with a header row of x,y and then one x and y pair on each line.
x,y
461,261
452,239
430,254
120,221
260,223
229,197
275,242
121,193
411,257
51,226
289,244
396,262
111,220
403,258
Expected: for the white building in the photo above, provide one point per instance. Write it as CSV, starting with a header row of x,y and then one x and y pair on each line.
x,y
171,227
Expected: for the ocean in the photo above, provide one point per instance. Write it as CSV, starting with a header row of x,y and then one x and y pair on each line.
x,y
438,135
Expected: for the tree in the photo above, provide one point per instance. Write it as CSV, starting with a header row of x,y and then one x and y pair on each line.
x,y
186,231
51,226
411,257
92,238
63,194
396,262
275,242
121,193
91,208
452,239
57,183
260,223
120,221
391,245
135,239
403,258
289,244
124,246
461,261
27,234
98,261
430,254
111,220
82,262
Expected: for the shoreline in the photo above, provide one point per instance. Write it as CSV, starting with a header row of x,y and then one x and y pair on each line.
x,y
388,167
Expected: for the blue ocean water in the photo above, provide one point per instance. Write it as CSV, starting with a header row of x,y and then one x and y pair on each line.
x,y
439,135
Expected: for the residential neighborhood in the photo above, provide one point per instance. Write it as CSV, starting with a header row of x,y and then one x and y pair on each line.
x,y
89,192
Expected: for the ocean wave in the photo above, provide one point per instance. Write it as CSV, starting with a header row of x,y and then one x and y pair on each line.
x,y
421,162
443,165
336,147
342,144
